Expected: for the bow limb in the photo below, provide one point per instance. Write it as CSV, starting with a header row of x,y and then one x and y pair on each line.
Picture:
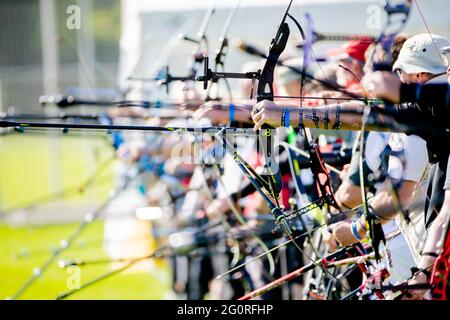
x,y
242,222
293,166
318,166
307,37
220,53
265,91
265,82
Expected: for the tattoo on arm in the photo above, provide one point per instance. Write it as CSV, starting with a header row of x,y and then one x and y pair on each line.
x,y
325,118
314,117
337,123
300,119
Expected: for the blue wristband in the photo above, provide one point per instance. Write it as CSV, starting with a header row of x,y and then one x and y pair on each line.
x,y
355,231
231,111
286,118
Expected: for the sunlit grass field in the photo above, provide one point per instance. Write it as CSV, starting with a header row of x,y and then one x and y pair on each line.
x,y
25,248
33,167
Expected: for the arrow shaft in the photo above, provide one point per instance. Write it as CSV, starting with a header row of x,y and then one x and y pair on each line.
x,y
208,130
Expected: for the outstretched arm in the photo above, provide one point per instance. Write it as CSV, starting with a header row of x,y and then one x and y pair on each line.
x,y
346,116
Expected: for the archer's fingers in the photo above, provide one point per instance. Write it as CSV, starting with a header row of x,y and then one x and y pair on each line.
x,y
259,123
257,116
257,107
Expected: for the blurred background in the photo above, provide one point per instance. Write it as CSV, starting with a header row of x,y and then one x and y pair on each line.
x,y
45,187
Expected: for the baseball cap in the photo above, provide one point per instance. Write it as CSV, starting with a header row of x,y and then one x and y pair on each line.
x,y
419,54
353,49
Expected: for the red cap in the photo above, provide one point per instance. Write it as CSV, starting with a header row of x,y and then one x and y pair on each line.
x,y
354,49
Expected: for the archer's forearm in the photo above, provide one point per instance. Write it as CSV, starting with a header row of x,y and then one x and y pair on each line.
x,y
387,202
348,195
243,114
337,116
346,116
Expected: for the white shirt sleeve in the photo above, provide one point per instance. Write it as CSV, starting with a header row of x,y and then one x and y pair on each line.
x,y
415,157
375,144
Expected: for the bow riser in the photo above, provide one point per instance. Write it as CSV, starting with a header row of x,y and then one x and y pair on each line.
x,y
265,83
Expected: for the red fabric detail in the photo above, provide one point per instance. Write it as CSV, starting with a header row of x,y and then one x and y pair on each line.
x,y
355,49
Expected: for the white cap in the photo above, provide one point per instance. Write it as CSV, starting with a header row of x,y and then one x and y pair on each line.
x,y
421,54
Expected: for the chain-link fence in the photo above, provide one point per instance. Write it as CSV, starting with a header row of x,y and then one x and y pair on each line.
x,y
34,32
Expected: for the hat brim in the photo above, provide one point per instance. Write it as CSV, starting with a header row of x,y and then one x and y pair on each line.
x,y
412,68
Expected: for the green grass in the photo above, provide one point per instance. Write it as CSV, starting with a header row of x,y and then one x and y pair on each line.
x,y
23,249
35,166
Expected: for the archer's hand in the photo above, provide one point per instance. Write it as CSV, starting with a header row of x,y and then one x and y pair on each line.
x,y
342,231
382,85
330,241
216,115
266,112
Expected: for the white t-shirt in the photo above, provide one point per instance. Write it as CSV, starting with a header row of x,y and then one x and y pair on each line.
x,y
411,165
375,144
401,255
413,148
415,161
414,231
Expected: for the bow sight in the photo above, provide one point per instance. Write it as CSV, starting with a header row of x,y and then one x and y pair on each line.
x,y
213,76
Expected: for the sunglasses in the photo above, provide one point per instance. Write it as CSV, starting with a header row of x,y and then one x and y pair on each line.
x,y
398,72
